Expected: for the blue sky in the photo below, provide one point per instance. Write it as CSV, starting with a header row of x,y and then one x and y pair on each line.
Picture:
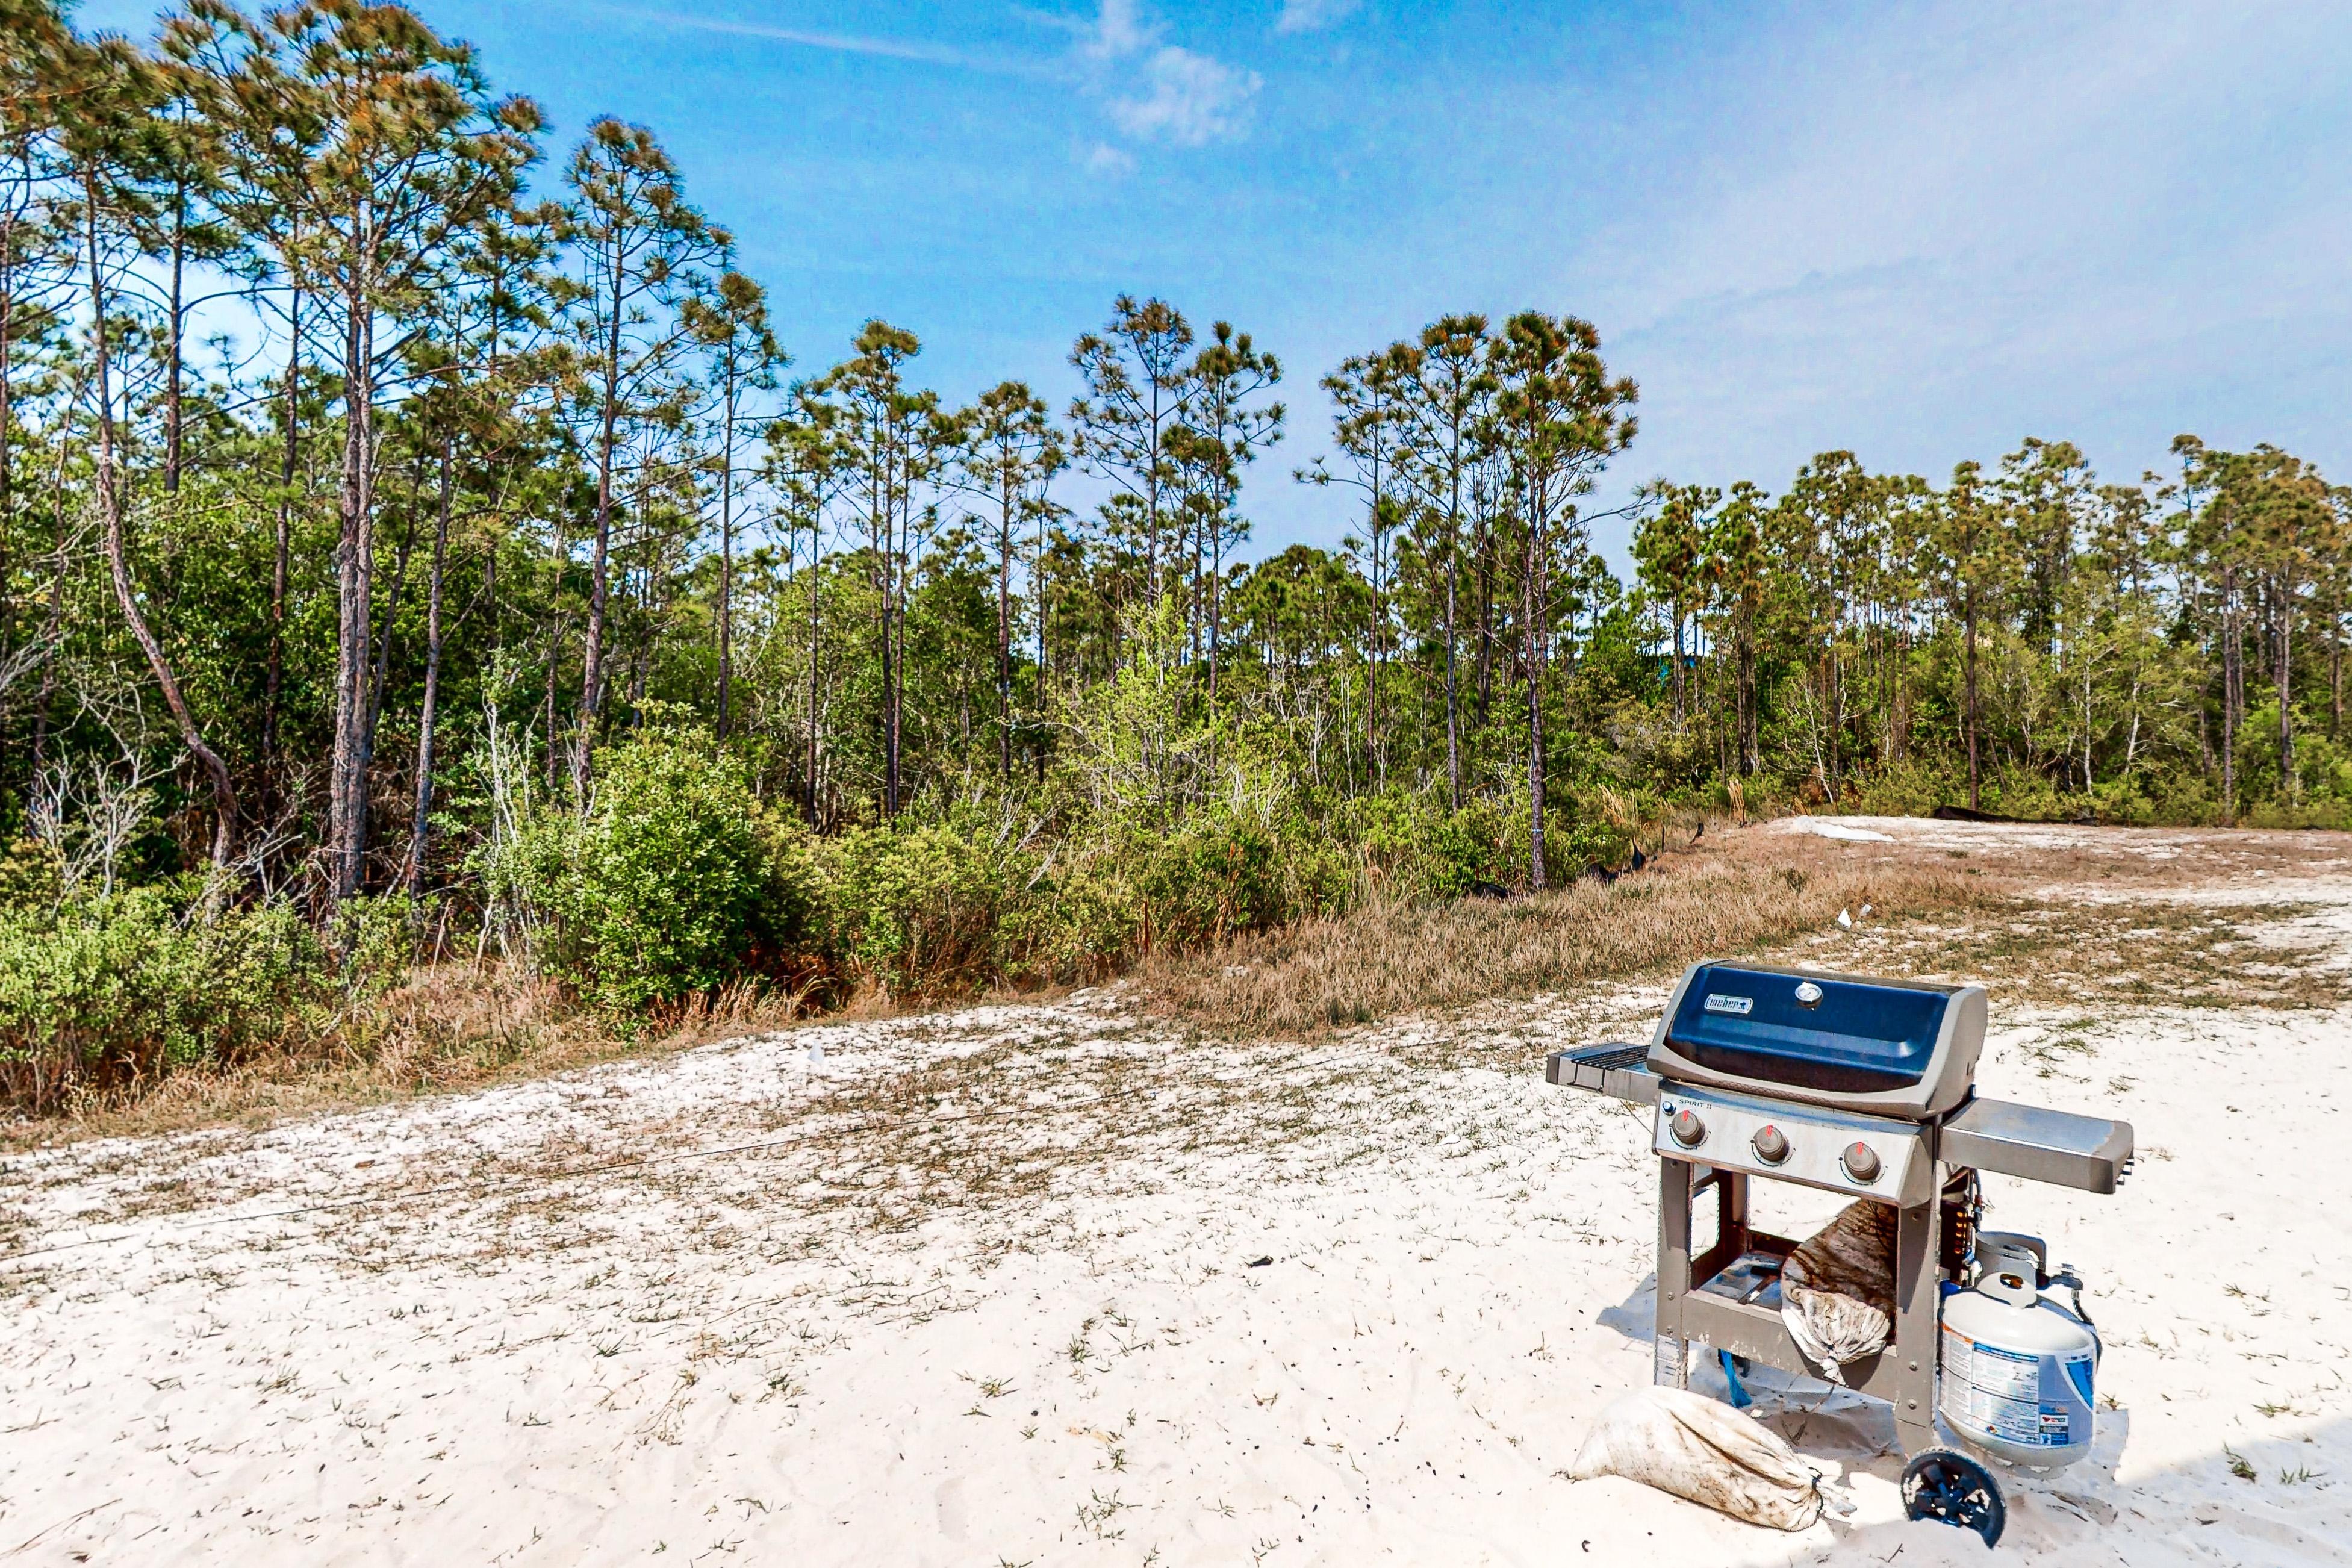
x,y
1920,232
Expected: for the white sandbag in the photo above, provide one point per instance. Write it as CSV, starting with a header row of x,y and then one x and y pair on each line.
x,y
1832,1330
1689,1445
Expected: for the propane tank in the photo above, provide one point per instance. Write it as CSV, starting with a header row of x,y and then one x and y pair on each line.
x,y
2018,1367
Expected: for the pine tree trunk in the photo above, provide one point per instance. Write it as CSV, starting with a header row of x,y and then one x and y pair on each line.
x,y
2231,654
2336,674
815,587
592,672
1037,593
1681,709
429,710
382,662
1004,629
1976,788
1532,597
592,662
554,654
53,628
1485,551
7,359
354,584
1453,639
109,512
727,558
2285,682
273,679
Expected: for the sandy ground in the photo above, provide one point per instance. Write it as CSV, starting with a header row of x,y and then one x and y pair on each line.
x,y
1059,1284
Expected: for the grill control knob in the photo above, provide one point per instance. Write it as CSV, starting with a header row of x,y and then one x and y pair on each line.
x,y
1770,1144
1689,1130
1861,1163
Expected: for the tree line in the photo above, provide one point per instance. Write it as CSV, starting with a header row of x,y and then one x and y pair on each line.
x,y
360,467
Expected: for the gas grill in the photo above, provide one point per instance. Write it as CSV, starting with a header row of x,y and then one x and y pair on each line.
x,y
1857,1086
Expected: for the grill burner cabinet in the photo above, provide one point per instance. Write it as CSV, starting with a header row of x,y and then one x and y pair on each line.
x,y
1854,1085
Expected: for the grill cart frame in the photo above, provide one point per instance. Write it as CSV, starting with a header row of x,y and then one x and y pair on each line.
x,y
1706,1296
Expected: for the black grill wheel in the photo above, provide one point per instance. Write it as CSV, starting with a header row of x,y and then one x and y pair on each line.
x,y
1952,1489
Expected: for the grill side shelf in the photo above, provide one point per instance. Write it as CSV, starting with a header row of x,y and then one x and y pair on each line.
x,y
1614,1069
2054,1146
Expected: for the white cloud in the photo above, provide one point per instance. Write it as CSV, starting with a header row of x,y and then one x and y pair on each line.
x,y
1164,92
1103,158
1187,99
1916,240
919,51
1314,16
1120,31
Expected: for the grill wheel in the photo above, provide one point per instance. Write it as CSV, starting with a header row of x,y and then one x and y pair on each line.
x,y
1952,1489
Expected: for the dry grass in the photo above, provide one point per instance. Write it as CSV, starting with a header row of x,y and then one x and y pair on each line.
x,y
2001,912
448,1029
2061,952
2101,917
1391,957
1030,1108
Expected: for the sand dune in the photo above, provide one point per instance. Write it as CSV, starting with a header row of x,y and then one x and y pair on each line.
x,y
1064,1284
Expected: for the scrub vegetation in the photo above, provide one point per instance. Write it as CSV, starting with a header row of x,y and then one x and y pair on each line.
x,y
441,628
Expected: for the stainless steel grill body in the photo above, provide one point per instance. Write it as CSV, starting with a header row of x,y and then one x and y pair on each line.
x,y
1882,1047
1845,1083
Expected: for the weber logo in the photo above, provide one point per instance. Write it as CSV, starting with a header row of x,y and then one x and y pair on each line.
x,y
1730,1004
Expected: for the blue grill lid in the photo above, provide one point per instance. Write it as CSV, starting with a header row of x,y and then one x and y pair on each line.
x,y
1860,1037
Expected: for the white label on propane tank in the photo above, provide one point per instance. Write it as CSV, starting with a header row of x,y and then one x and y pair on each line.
x,y
1730,1004
1999,1391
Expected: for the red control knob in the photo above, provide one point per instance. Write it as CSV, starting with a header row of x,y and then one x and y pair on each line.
x,y
1689,1130
1861,1163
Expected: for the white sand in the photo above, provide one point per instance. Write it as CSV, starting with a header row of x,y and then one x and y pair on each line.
x,y
869,1339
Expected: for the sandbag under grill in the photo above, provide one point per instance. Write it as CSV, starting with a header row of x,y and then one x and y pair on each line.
x,y
1837,1289
1689,1445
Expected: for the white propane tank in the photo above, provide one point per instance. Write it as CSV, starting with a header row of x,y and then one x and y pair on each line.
x,y
2018,1367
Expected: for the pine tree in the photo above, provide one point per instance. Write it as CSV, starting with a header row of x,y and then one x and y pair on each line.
x,y
732,326
1224,430
1136,393
1008,453
1446,419
642,251
892,439
363,141
1559,418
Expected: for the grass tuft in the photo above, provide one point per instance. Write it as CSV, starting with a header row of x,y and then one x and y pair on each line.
x,y
1394,957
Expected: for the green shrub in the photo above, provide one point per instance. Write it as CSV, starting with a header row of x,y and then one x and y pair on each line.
x,y
1462,847
31,873
1913,787
925,906
674,880
372,942
109,992
1080,918
2009,790
1222,875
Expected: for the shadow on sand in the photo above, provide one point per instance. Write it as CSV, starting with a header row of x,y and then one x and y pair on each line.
x,y
2297,1509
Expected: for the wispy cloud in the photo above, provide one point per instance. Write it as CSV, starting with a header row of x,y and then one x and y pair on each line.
x,y
1314,16
1187,99
1160,91
1910,238
1103,158
1152,91
1119,31
914,50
